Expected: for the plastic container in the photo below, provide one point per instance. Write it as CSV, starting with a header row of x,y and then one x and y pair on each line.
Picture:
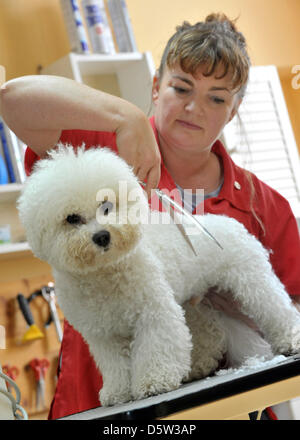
x,y
97,26
74,25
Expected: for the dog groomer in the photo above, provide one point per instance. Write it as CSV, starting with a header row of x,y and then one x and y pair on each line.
x,y
198,88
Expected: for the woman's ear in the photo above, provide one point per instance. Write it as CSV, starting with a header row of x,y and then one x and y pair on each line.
x,y
155,87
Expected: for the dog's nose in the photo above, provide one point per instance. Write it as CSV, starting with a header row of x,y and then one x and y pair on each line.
x,y
101,238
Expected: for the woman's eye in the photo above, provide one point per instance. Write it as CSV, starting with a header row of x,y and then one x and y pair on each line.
x,y
106,207
217,100
180,90
74,219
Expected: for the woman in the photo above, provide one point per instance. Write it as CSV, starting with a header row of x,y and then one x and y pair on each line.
x,y
198,89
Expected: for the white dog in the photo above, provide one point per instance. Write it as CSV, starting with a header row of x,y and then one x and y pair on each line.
x,y
121,281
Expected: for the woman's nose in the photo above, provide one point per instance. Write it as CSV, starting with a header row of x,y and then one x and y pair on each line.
x,y
193,106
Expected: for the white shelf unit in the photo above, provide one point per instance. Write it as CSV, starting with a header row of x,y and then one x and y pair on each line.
x,y
9,215
10,192
14,250
127,75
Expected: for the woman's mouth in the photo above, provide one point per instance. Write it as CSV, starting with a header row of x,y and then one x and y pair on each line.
x,y
188,125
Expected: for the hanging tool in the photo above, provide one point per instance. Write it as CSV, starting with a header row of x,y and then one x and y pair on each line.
x,y
168,202
12,372
40,366
33,332
49,295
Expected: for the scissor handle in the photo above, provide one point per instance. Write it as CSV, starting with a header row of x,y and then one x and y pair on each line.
x,y
39,367
35,365
44,364
11,372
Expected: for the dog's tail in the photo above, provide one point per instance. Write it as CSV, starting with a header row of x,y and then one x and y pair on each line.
x,y
243,342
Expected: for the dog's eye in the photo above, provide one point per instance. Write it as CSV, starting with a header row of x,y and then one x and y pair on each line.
x,y
106,207
74,219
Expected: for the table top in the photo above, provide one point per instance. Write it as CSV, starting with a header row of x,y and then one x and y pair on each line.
x,y
225,384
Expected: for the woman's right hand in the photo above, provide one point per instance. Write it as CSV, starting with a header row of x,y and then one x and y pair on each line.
x,y
138,147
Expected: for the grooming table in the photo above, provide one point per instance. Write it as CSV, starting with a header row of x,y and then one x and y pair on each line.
x,y
229,395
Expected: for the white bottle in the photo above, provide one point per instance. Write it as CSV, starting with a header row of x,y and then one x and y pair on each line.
x,y
122,25
76,31
98,27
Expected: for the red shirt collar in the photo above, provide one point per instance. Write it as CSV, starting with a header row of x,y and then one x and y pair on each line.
x,y
235,189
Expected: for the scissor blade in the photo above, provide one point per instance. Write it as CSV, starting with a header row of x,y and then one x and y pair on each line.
x,y
187,214
164,198
178,224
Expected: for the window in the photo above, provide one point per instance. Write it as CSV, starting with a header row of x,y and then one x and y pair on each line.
x,y
264,142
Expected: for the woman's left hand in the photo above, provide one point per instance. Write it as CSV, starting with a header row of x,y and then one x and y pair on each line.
x,y
224,302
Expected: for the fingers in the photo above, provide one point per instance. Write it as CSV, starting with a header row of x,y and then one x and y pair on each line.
x,y
140,173
138,147
153,178
223,301
218,302
195,300
150,174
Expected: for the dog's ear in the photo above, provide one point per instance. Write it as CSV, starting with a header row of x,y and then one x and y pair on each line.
x,y
35,226
37,244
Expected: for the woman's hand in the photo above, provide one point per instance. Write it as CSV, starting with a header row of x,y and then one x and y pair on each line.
x,y
137,146
224,302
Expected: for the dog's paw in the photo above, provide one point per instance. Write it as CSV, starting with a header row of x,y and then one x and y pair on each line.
x,y
150,385
202,368
289,343
109,396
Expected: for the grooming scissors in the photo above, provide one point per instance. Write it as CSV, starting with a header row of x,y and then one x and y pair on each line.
x,y
167,203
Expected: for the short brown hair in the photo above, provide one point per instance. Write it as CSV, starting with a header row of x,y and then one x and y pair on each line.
x,y
212,43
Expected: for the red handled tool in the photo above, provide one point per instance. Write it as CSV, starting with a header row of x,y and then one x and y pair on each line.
x,y
40,366
12,372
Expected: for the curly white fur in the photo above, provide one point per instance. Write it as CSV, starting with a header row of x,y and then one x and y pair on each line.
x,y
128,298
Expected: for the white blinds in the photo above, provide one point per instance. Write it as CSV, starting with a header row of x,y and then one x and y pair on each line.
x,y
264,142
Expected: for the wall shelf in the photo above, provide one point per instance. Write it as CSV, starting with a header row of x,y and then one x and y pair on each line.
x,y
10,192
14,250
128,75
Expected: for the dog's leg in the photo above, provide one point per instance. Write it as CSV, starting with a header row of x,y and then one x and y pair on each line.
x,y
208,339
243,342
112,357
263,298
161,348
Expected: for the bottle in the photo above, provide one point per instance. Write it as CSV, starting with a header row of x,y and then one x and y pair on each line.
x,y
76,31
98,27
122,25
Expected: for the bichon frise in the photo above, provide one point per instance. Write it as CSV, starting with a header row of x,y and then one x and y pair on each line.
x,y
121,280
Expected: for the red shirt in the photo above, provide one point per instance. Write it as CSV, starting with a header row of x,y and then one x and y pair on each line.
x,y
79,380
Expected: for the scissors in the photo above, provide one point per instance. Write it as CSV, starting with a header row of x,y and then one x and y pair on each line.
x,y
167,203
10,371
40,367
49,295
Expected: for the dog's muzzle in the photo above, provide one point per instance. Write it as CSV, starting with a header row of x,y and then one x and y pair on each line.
x,y
101,238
